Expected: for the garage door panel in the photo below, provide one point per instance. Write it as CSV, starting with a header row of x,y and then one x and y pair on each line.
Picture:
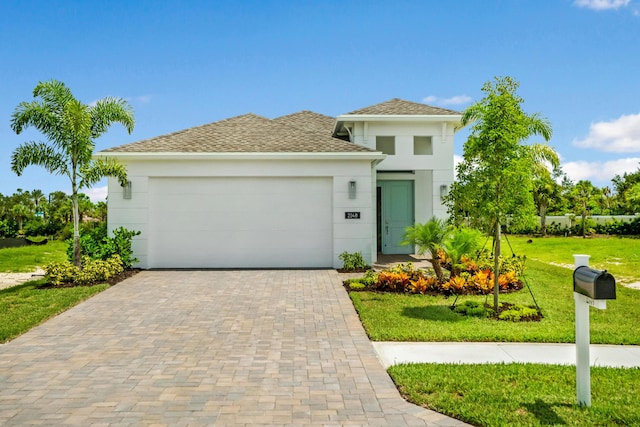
x,y
240,222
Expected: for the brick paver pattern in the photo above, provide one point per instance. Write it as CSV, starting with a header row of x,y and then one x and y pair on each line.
x,y
201,348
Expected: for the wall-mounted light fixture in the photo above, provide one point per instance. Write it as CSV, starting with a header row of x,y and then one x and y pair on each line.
x,y
352,189
126,190
444,190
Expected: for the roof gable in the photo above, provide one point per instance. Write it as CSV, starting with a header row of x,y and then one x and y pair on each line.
x,y
308,121
248,133
400,107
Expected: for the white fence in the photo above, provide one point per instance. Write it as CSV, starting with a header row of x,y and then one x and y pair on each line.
x,y
570,220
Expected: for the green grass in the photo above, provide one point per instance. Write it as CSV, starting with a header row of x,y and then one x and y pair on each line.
x,y
26,258
620,256
25,306
399,317
521,394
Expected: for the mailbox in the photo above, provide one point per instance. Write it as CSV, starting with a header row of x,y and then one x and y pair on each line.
x,y
595,284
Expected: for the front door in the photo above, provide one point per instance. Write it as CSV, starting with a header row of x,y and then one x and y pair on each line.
x,y
396,215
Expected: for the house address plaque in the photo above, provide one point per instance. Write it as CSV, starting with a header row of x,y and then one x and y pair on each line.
x,y
352,215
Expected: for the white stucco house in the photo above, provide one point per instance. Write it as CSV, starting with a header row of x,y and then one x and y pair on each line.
x,y
291,192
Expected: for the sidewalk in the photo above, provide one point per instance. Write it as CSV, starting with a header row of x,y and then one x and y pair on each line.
x,y
393,353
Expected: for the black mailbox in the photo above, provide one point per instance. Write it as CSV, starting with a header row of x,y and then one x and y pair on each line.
x,y
595,284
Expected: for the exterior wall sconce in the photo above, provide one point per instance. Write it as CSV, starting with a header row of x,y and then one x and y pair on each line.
x,y
126,190
352,189
444,190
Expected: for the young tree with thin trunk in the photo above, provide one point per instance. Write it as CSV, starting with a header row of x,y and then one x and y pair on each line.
x,y
495,178
71,128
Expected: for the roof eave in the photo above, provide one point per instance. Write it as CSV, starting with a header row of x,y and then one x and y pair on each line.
x,y
398,117
352,118
355,155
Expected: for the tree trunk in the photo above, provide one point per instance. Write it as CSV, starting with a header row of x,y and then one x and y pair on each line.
x,y
496,267
584,217
437,269
76,230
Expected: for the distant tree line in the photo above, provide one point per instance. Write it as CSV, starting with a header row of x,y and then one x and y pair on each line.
x,y
34,213
558,195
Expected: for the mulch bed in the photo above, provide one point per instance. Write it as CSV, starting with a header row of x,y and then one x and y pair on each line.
x,y
355,270
112,281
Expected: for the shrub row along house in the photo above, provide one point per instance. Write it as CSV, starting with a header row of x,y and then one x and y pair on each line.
x,y
295,191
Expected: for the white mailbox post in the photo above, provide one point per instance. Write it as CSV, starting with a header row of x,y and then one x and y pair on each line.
x,y
591,288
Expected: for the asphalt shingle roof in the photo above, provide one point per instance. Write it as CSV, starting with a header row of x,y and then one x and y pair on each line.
x,y
248,133
401,107
309,121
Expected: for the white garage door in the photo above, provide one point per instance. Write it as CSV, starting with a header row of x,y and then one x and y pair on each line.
x,y
240,222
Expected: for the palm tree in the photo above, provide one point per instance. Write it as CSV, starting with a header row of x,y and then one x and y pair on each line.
x,y
546,166
545,190
38,199
71,128
20,212
461,241
583,194
607,201
428,237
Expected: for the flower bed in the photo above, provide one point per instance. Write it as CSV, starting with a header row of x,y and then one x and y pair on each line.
x,y
475,279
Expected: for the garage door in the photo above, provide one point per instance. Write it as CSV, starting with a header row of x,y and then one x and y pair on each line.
x,y
240,222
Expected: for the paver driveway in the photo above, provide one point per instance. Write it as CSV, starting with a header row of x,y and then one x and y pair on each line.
x,y
198,348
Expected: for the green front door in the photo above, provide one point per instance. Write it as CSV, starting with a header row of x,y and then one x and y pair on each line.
x,y
395,216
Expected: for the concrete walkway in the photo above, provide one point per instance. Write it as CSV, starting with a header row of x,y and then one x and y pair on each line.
x,y
392,353
202,348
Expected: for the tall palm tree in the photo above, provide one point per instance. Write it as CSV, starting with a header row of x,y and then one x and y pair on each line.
x,y
546,166
71,128
39,200
583,195
428,237
545,190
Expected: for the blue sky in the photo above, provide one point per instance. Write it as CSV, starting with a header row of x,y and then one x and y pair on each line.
x,y
187,63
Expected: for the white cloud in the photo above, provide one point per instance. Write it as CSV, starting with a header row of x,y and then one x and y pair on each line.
x,y
602,4
621,135
143,99
454,100
97,194
600,172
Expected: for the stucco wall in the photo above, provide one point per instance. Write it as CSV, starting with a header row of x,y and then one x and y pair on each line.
x,y
348,234
430,171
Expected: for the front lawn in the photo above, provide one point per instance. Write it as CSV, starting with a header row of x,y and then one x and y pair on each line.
x,y
26,306
619,255
521,394
402,317
25,259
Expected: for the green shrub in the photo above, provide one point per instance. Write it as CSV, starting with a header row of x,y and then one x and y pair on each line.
x,y
120,244
620,228
357,286
352,261
472,308
96,244
8,228
516,313
60,273
93,271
